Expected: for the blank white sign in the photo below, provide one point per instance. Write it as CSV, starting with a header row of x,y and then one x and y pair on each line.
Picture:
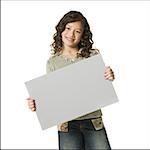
x,y
72,91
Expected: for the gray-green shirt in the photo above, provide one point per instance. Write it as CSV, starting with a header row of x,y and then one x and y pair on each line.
x,y
58,61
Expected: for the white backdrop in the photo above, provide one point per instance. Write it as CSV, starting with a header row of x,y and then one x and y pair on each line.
x,y
120,29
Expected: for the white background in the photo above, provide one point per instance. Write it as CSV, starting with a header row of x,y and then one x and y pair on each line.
x,y
121,30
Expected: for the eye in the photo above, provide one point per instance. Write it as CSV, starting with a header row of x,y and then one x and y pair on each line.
x,y
67,28
78,31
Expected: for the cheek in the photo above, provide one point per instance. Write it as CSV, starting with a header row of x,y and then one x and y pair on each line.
x,y
62,35
79,38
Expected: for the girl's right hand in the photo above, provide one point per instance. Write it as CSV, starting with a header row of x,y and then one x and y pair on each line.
x,y
31,104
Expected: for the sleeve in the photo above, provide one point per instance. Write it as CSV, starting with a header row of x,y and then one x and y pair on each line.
x,y
49,66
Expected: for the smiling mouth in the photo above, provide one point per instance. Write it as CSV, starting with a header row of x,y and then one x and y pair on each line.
x,y
70,39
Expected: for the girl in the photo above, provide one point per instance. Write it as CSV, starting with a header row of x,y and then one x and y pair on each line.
x,y
72,43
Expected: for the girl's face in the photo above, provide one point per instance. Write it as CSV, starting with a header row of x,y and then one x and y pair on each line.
x,y
72,34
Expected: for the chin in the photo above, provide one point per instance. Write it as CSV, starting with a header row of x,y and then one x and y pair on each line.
x,y
70,45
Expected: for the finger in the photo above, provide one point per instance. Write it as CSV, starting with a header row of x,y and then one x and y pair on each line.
x,y
33,109
30,101
31,105
30,98
108,72
109,76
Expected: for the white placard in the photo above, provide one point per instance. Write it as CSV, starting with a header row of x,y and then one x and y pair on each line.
x,y
71,91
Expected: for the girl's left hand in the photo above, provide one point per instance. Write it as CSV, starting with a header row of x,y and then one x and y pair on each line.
x,y
109,74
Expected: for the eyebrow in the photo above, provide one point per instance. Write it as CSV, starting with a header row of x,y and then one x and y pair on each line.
x,y
76,28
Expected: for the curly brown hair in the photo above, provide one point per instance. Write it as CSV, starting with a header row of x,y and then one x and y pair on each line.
x,y
86,42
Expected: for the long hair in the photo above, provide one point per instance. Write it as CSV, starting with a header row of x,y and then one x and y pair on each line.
x,y
86,42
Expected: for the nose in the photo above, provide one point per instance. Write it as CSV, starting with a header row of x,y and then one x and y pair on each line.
x,y
71,33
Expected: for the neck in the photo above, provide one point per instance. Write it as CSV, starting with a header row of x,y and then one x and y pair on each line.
x,y
70,52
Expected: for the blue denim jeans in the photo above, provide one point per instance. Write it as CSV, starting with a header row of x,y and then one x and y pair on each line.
x,y
83,136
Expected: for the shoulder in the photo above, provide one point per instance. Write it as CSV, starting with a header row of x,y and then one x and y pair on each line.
x,y
52,59
52,63
94,52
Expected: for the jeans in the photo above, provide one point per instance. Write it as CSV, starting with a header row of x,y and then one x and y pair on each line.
x,y
83,136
